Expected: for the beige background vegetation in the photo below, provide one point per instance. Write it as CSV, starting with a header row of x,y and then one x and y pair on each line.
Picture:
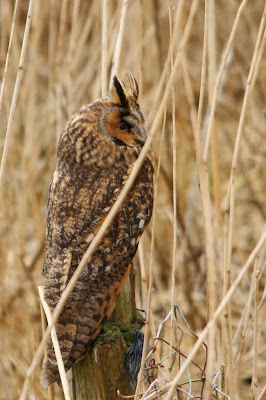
x,y
67,64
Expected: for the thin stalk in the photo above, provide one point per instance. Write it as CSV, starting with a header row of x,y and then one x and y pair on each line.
x,y
211,82
16,90
8,53
250,78
143,358
189,94
163,77
206,208
57,350
145,286
52,34
245,317
254,383
50,389
71,47
4,383
60,39
104,45
174,203
219,76
59,60
225,290
118,47
261,396
141,47
261,52
144,281
148,314
228,321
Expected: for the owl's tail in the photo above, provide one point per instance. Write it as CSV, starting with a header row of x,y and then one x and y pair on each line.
x,y
49,374
66,328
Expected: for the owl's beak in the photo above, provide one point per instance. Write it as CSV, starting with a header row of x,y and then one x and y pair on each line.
x,y
140,132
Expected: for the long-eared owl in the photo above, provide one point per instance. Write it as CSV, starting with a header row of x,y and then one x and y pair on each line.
x,y
96,153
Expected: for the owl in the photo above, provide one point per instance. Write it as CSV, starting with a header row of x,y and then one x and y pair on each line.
x,y
96,153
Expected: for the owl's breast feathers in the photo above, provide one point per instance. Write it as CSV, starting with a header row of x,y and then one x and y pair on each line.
x,y
90,173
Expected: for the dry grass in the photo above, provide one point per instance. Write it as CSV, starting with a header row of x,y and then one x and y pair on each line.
x,y
205,91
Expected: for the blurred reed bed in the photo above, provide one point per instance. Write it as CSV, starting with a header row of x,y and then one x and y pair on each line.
x,y
209,144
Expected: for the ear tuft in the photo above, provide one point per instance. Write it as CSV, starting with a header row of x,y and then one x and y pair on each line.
x,y
118,94
133,87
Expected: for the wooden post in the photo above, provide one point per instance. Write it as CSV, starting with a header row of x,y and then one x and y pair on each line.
x,y
100,374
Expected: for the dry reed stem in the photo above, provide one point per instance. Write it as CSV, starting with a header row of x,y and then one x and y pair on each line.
x,y
148,311
16,90
260,323
59,57
8,54
261,396
189,94
176,66
250,78
174,201
81,44
212,50
157,393
163,77
118,47
73,34
60,39
149,291
50,389
206,208
217,313
254,382
166,94
140,48
216,178
155,382
51,59
3,380
244,325
225,290
104,45
57,350
153,129
231,200
228,316
158,94
144,281
261,51
219,76
70,53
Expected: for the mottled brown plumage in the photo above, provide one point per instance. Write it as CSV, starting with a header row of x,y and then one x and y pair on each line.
x,y
96,153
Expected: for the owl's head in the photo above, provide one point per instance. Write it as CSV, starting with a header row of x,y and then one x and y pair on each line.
x,y
123,121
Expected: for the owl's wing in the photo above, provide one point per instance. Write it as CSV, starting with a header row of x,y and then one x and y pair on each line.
x,y
77,207
66,330
55,283
75,214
